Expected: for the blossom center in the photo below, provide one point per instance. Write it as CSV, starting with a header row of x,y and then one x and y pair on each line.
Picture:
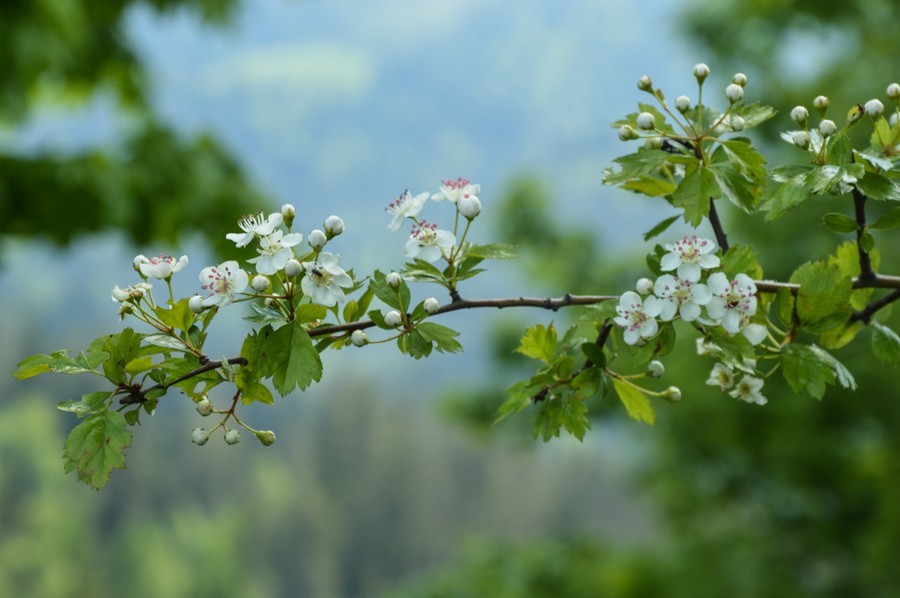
x,y
251,222
218,282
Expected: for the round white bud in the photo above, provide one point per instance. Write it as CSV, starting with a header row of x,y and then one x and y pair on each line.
x,y
827,127
644,286
801,139
655,369
739,79
204,407
334,226
288,212
626,133
292,267
199,436
672,394
393,318
821,103
653,143
682,104
799,114
316,239
393,280
259,283
136,263
431,305
646,121
645,83
196,304
469,206
359,338
737,123
701,72
734,92
874,108
232,436
893,91
267,437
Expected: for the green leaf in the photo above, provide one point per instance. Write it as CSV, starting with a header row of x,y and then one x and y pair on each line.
x,y
397,298
138,365
96,446
755,114
885,344
867,242
122,348
60,363
879,187
808,368
781,198
743,155
561,412
839,150
519,398
539,342
310,312
444,338
741,259
660,227
290,358
839,223
823,301
587,383
656,347
33,366
694,193
636,403
784,307
737,188
643,163
889,220
89,403
594,353
165,341
265,315
179,316
495,251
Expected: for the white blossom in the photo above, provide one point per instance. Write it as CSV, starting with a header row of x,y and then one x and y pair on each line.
x,y
405,206
721,376
429,243
222,282
274,251
469,206
161,266
316,239
637,317
456,190
689,256
731,301
748,390
324,280
680,296
253,225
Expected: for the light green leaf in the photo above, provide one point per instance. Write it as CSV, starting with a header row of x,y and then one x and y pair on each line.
x,y
694,193
96,446
885,344
290,358
539,342
139,364
494,251
165,341
741,259
823,301
636,403
179,316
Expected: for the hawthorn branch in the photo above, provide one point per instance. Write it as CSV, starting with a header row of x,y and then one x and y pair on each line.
x,y
865,315
865,262
721,237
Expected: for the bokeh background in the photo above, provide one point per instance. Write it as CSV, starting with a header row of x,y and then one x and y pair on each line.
x,y
142,127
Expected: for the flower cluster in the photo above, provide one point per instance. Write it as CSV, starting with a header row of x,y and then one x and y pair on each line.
x,y
730,303
426,241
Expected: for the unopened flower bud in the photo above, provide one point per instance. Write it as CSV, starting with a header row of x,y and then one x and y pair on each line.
x,y
653,143
682,104
827,127
874,108
269,302
821,103
393,280
799,114
393,318
701,72
646,121
292,267
801,139
196,304
317,239
737,123
895,118
267,437
288,213
469,206
199,436
233,436
259,283
137,261
644,286
334,226
626,133
359,338
672,394
204,407
739,79
893,92
645,83
734,92
655,369
431,305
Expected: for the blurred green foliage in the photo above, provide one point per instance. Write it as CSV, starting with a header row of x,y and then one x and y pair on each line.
x,y
152,183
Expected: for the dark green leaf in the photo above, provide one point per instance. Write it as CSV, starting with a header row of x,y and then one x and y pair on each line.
x,y
741,259
781,198
96,446
660,227
823,301
694,193
879,187
839,223
290,358
889,220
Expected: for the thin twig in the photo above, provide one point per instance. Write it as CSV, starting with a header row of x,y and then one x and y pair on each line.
x,y
721,237
865,315
865,263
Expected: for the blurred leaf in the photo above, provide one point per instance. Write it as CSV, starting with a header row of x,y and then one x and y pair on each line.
x,y
96,446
